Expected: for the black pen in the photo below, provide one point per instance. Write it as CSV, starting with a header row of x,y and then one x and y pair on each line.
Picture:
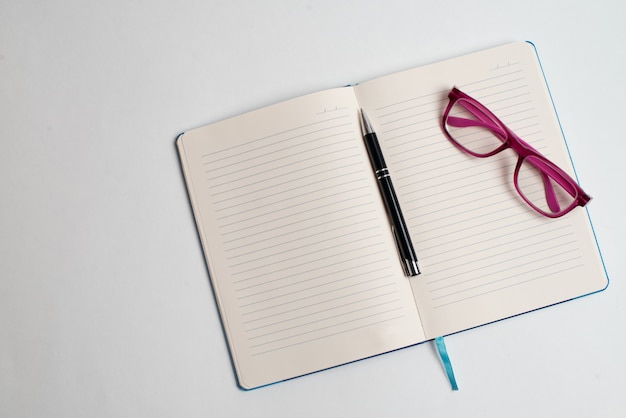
x,y
398,225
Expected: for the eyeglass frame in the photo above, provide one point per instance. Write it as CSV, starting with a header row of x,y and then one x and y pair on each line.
x,y
549,170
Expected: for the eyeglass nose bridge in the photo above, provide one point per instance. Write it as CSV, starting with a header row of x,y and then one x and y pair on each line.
x,y
517,144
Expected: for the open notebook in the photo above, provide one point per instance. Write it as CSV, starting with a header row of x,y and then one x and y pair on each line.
x,y
299,249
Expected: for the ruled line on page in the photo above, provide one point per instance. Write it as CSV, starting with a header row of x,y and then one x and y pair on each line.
x,y
331,334
348,275
482,236
295,318
340,268
513,265
237,152
483,255
262,279
304,244
241,223
354,294
303,150
298,237
281,197
324,328
275,225
361,296
341,222
301,261
268,185
322,320
284,144
264,173
528,278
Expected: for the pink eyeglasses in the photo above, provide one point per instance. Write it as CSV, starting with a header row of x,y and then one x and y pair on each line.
x,y
544,186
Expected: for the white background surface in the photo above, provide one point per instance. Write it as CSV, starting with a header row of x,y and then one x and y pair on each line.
x,y
105,305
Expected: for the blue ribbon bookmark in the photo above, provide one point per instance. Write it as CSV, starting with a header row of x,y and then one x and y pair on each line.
x,y
445,359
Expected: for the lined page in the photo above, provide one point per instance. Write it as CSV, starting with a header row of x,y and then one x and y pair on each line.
x,y
299,250
484,254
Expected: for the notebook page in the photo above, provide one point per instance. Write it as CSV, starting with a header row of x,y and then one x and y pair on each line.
x,y
301,257
484,254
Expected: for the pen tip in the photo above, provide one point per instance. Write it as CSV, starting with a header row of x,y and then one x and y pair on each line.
x,y
366,126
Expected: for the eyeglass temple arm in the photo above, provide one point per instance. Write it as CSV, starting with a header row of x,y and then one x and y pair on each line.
x,y
458,122
561,179
551,199
478,113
